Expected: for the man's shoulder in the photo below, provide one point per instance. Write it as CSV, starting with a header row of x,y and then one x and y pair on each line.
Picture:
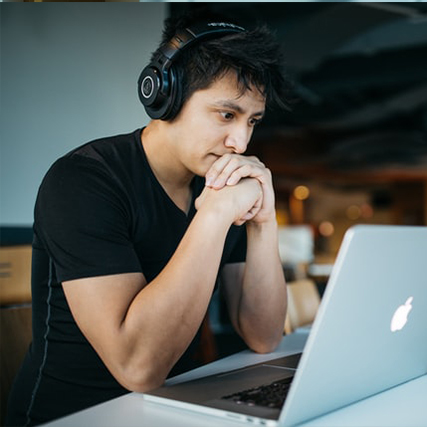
x,y
108,147
104,161
106,153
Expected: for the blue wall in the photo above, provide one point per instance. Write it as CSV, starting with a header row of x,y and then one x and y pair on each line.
x,y
68,75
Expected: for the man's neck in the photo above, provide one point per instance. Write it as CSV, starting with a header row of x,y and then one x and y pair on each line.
x,y
165,164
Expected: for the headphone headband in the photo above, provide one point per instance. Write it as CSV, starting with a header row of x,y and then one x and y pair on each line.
x,y
189,35
158,89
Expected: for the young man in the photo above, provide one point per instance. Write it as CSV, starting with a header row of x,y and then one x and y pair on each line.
x,y
131,233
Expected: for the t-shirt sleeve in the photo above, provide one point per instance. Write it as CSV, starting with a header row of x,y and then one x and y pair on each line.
x,y
84,219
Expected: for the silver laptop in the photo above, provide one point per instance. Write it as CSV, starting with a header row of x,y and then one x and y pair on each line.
x,y
368,336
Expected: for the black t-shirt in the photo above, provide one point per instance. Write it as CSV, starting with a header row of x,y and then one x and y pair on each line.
x,y
99,211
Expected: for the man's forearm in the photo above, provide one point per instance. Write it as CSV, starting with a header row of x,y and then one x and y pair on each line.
x,y
263,302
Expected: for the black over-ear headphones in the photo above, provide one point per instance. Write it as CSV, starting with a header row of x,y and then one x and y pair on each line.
x,y
158,87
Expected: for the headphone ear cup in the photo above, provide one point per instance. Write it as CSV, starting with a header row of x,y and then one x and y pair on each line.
x,y
153,88
160,95
149,85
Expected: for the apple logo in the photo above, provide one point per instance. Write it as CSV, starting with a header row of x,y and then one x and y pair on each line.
x,y
400,316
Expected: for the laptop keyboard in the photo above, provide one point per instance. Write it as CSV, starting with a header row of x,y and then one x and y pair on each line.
x,y
271,395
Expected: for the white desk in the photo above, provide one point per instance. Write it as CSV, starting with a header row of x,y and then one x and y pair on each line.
x,y
405,405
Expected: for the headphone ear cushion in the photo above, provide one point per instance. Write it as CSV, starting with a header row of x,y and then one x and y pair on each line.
x,y
175,98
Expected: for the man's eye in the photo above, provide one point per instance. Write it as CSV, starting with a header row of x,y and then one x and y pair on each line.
x,y
255,122
227,115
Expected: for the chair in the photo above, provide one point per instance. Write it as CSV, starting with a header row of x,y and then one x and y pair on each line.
x,y
15,333
15,315
303,303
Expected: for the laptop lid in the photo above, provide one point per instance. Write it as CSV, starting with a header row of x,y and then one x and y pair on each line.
x,y
369,333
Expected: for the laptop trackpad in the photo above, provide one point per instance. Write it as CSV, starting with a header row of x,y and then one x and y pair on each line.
x,y
286,361
253,376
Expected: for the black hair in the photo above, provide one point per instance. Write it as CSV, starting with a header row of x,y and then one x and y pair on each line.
x,y
254,55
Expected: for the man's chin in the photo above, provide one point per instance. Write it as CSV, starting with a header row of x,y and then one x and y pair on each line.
x,y
207,164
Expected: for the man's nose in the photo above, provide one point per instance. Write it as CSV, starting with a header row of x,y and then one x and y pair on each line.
x,y
238,139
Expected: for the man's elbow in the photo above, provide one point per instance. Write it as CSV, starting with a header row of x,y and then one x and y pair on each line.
x,y
141,384
265,341
264,346
141,379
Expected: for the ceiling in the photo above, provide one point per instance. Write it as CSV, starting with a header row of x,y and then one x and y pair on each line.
x,y
359,77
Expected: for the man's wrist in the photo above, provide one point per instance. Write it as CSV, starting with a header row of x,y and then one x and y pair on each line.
x,y
217,214
269,226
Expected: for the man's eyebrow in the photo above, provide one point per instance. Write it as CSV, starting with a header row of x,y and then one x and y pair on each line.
x,y
236,107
